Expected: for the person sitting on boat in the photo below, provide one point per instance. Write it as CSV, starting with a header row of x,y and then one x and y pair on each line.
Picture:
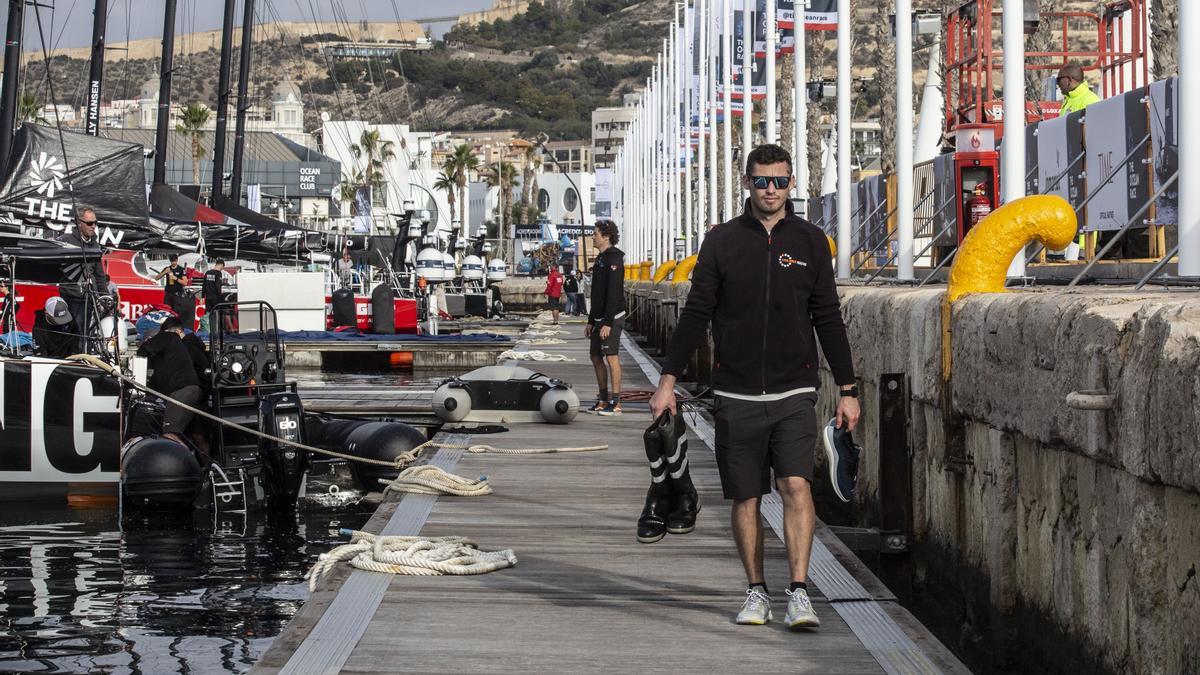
x,y
53,336
79,277
174,370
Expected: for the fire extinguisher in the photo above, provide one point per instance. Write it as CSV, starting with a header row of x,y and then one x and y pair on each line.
x,y
979,205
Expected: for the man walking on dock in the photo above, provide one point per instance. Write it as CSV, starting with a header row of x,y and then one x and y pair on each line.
x,y
607,316
765,282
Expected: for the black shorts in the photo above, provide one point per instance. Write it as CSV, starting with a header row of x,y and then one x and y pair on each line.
x,y
552,302
755,437
610,346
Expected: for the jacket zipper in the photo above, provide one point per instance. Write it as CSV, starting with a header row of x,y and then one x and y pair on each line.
x,y
766,317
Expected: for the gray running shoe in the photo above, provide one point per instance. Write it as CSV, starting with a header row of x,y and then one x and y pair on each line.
x,y
800,613
756,610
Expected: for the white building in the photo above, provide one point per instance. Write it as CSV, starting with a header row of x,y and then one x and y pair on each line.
x,y
558,200
409,174
609,126
286,117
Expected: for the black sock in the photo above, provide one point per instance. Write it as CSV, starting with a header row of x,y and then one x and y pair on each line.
x,y
798,584
603,394
761,585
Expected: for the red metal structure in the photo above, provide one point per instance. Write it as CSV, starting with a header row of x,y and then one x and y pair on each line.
x,y
974,76
974,63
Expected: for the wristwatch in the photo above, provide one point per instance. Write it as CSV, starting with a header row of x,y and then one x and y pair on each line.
x,y
851,392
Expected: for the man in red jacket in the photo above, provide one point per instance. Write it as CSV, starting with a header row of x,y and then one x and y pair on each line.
x,y
554,287
764,280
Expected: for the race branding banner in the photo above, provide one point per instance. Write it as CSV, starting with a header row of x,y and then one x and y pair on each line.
x,y
1164,136
821,15
1116,192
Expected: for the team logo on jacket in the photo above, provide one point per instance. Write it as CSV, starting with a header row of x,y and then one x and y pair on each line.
x,y
786,260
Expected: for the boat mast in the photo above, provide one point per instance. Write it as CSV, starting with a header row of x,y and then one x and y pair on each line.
x,y
164,94
96,71
223,93
243,102
12,65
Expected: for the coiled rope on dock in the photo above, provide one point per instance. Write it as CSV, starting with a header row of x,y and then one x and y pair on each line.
x,y
416,556
532,355
427,479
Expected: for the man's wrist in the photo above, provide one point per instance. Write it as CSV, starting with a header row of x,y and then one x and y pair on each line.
x,y
667,380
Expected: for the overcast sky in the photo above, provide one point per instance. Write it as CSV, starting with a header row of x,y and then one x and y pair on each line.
x,y
70,23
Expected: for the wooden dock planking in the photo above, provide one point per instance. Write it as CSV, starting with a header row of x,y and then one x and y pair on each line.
x,y
586,596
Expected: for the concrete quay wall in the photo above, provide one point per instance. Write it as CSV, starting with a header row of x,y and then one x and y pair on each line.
x,y
1042,537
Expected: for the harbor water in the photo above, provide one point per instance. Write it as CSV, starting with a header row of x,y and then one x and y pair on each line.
x,y
82,590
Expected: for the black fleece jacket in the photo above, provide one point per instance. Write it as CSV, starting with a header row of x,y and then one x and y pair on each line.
x,y
765,295
608,281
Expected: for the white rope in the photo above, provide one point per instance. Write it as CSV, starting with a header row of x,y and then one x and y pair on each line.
x,y
533,451
532,355
431,480
419,556
549,332
541,341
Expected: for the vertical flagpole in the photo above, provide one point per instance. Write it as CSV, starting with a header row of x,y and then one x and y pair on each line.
x,y
747,81
844,216
701,20
727,105
677,189
904,140
772,31
800,107
713,31
1189,136
1012,161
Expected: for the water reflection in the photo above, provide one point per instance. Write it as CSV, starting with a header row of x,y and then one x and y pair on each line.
x,y
164,596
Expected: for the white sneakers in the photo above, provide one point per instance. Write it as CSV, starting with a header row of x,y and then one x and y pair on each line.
x,y
756,611
800,613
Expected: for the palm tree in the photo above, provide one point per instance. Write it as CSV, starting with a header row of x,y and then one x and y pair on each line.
x,y
29,108
447,184
533,161
458,166
348,187
377,151
191,124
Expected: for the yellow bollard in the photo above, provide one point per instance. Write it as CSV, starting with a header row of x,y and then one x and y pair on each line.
x,y
644,273
984,255
832,246
663,271
683,271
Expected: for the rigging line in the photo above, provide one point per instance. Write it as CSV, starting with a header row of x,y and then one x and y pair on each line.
x,y
37,11
333,75
384,89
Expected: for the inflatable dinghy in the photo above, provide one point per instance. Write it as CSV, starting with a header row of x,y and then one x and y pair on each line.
x,y
505,394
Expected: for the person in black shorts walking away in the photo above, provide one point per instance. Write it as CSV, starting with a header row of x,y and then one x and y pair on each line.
x,y
765,281
607,316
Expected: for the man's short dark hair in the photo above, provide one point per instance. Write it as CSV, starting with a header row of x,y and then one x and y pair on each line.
x,y
767,153
609,229
1072,70
173,257
171,323
219,261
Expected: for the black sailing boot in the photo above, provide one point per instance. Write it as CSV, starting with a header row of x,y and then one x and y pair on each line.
x,y
652,524
685,503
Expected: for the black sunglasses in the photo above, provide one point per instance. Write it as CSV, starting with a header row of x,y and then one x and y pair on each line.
x,y
761,182
87,222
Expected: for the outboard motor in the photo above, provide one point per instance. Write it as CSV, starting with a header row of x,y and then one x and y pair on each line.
x,y
281,414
